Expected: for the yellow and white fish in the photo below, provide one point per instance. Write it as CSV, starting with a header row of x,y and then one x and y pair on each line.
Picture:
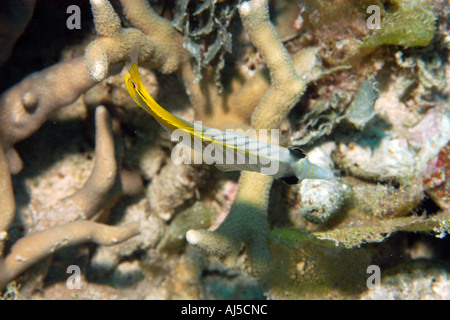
x,y
291,165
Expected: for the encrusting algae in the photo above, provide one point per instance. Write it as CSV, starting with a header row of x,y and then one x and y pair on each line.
x,y
369,105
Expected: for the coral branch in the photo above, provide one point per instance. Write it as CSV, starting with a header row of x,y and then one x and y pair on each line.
x,y
246,222
103,186
26,106
8,206
107,22
168,42
113,45
286,86
36,246
56,226
247,219
93,195
223,110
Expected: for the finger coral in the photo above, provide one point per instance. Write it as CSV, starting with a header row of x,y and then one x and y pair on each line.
x,y
371,105
157,40
57,226
27,105
106,182
36,246
8,207
247,219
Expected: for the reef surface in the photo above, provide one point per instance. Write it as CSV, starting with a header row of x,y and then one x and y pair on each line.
x,y
93,207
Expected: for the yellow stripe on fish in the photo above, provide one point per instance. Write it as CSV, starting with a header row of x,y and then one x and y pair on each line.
x,y
169,121
288,162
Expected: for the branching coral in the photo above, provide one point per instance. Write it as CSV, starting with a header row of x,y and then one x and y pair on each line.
x,y
232,107
340,210
106,182
237,106
27,105
29,250
8,207
158,42
247,219
57,226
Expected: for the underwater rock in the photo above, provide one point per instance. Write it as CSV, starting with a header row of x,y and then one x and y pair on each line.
x,y
426,76
199,216
221,283
383,200
171,188
126,274
151,231
429,68
361,110
148,158
437,178
416,281
397,156
335,26
320,199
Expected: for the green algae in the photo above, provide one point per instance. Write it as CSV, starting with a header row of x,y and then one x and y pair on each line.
x,y
413,24
303,266
199,216
379,230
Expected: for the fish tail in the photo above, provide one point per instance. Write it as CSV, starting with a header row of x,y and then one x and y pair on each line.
x,y
143,99
137,89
